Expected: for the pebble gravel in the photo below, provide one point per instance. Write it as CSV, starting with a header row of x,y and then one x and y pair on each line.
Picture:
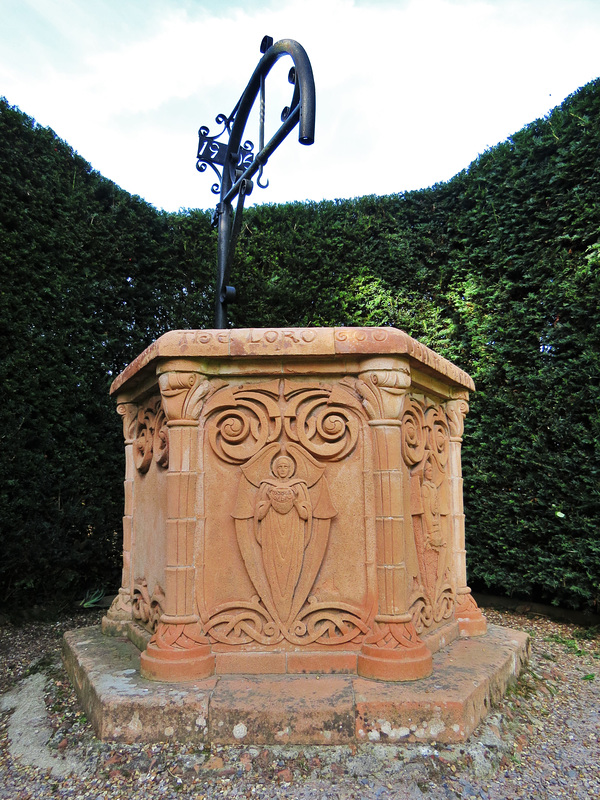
x,y
542,742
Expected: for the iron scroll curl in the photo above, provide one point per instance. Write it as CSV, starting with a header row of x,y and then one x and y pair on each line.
x,y
236,159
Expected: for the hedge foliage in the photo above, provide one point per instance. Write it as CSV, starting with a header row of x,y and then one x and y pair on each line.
x,y
497,269
89,276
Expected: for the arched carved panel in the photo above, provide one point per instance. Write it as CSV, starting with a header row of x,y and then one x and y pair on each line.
x,y
284,437
425,450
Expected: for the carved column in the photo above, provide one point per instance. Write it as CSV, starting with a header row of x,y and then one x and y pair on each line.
x,y
179,650
393,650
120,611
471,621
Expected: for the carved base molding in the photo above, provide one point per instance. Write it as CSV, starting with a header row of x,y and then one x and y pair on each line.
x,y
471,621
178,651
120,608
118,615
394,652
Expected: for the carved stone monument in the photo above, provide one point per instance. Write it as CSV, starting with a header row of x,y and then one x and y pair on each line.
x,y
293,511
293,503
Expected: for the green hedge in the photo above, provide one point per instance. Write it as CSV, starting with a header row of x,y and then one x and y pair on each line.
x,y
496,269
89,276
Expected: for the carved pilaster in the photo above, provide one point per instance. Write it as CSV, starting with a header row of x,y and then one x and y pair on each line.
x,y
470,619
179,650
120,611
393,650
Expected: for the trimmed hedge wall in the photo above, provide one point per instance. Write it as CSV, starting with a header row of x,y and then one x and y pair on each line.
x,y
497,269
89,277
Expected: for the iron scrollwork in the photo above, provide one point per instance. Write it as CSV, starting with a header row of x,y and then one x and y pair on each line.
x,y
237,161
213,153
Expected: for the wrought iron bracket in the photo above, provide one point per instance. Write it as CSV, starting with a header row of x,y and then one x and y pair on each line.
x,y
237,161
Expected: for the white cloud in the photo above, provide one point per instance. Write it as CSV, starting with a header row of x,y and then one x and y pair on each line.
x,y
408,93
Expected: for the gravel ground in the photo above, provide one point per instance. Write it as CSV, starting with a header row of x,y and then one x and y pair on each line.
x,y
541,743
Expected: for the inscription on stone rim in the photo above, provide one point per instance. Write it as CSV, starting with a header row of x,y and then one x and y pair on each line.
x,y
281,336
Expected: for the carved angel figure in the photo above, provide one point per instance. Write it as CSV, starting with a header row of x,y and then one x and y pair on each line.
x,y
282,514
430,510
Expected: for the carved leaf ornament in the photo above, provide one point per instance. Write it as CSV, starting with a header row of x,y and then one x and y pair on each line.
x,y
145,608
151,439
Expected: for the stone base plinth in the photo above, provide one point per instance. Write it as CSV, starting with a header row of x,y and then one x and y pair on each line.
x,y
469,675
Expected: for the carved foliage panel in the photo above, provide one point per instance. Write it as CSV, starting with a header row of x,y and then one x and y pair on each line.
x,y
150,447
426,452
147,609
277,457
151,440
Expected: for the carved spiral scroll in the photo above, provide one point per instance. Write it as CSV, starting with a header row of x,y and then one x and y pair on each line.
x,y
327,624
444,605
321,419
249,422
422,613
326,429
161,440
245,622
147,609
413,434
438,436
242,623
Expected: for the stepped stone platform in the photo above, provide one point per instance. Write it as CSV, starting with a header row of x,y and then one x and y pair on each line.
x,y
469,675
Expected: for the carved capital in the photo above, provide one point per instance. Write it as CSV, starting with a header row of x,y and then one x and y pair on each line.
x,y
183,394
456,411
383,391
128,413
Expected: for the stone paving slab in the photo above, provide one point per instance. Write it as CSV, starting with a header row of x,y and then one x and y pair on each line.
x,y
469,676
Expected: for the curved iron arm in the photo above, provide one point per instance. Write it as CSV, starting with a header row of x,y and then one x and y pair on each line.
x,y
301,111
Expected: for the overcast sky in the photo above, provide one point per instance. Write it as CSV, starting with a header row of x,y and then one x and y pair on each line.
x,y
409,92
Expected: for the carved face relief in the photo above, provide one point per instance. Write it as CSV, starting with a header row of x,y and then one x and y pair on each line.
x,y
283,467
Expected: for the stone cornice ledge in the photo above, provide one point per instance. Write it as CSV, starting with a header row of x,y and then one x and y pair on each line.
x,y
291,343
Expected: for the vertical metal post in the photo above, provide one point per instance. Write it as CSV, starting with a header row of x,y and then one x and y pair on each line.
x,y
224,235
236,158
